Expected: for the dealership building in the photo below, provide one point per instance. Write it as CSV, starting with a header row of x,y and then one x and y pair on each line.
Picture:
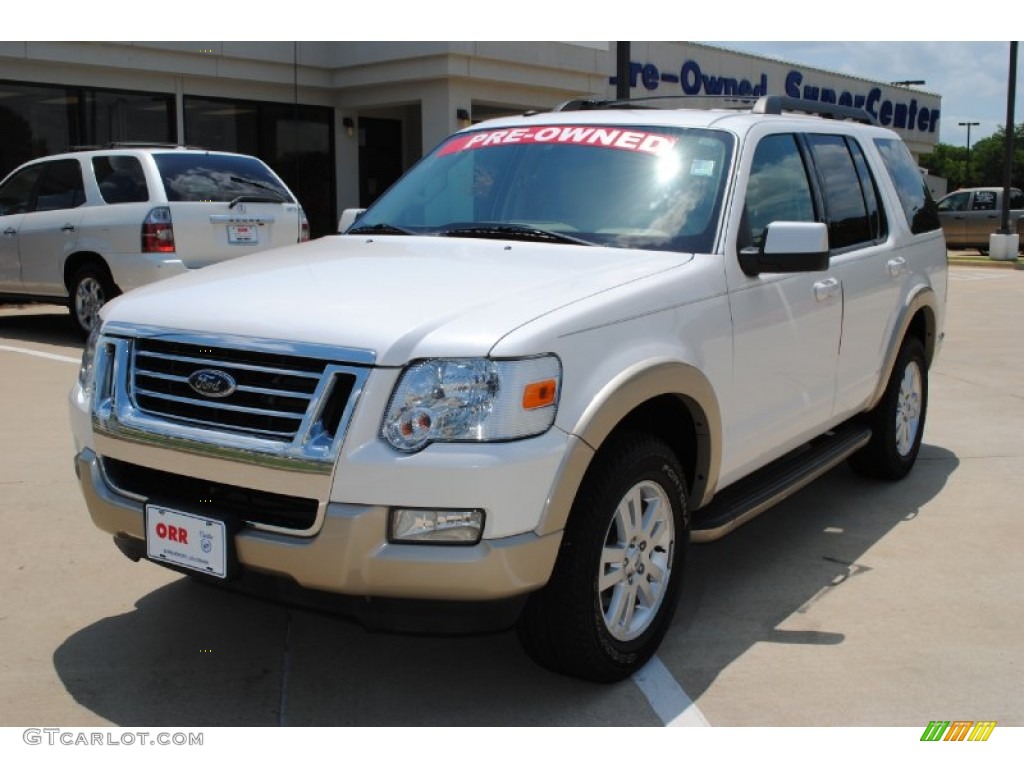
x,y
340,121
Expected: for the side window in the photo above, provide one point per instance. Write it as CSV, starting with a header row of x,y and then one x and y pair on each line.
x,y
849,223
120,178
876,211
17,193
61,187
778,188
984,201
954,202
1016,199
920,210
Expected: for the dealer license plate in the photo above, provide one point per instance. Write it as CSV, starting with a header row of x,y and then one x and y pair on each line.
x,y
186,540
243,234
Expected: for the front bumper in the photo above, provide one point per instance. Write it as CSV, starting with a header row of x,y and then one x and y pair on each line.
x,y
350,553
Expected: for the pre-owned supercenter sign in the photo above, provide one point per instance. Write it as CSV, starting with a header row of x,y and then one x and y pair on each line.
x,y
903,111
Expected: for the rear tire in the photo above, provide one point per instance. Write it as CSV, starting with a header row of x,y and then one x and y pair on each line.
x,y
90,289
897,422
616,582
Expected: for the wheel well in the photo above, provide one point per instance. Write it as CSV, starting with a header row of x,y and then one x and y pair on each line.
x,y
78,260
922,326
671,419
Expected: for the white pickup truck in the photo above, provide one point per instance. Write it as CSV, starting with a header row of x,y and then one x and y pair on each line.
x,y
560,348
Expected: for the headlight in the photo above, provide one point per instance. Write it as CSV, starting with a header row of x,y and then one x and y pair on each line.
x,y
472,400
86,372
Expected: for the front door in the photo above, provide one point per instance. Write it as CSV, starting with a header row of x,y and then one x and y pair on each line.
x,y
786,327
16,198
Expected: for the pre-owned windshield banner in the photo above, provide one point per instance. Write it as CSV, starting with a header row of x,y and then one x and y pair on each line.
x,y
581,135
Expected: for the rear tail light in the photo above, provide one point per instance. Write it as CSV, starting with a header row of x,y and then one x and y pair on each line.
x,y
158,232
303,226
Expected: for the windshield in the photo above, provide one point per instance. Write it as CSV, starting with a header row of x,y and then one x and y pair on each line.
x,y
631,187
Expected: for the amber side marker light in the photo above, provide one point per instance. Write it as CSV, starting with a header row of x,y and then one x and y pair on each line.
x,y
539,394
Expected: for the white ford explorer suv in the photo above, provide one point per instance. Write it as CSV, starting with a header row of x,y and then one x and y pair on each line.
x,y
558,350
82,227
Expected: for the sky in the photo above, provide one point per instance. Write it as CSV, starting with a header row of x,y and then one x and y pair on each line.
x,y
971,77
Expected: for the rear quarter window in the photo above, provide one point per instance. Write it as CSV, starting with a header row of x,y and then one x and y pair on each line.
x,y
206,178
919,208
120,179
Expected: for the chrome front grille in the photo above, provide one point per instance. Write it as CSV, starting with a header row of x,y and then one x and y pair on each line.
x,y
271,396
259,401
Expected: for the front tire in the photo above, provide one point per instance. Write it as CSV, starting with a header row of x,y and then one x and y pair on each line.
x,y
91,288
897,422
616,582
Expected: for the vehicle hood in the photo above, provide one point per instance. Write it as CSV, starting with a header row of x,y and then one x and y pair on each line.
x,y
399,297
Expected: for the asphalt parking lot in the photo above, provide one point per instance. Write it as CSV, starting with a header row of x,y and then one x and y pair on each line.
x,y
853,603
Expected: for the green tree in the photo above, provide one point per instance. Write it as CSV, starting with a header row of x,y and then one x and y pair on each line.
x,y
947,162
987,156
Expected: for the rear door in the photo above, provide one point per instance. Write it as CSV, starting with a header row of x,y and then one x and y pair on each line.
x,y
49,233
982,219
225,205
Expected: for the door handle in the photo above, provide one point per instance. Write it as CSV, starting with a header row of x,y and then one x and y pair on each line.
x,y
826,289
10,232
897,266
68,228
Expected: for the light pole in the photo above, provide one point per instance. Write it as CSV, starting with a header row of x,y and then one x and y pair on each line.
x,y
967,170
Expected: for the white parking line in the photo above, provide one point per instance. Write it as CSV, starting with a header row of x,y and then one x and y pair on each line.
x,y
45,355
668,700
966,276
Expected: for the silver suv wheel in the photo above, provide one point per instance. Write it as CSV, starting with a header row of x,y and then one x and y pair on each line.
x,y
637,560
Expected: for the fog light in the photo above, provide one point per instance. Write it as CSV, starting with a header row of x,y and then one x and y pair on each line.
x,y
436,526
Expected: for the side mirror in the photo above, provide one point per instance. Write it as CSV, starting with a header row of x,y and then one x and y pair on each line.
x,y
788,246
349,217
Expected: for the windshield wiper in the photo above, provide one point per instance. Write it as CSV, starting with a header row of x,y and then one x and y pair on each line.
x,y
507,231
256,199
383,228
259,185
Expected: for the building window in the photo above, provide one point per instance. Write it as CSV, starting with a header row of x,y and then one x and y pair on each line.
x,y
38,120
118,116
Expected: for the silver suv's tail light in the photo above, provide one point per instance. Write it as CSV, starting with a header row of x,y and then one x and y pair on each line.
x,y
158,232
303,226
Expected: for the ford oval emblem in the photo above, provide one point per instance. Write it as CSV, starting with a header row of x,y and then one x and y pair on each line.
x,y
209,382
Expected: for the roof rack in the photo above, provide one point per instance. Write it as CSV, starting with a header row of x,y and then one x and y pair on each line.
x,y
134,145
776,105
151,145
639,102
574,105
765,105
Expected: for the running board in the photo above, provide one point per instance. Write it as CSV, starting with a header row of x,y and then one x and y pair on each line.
x,y
746,499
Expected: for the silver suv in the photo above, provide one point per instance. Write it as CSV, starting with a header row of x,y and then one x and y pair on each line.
x,y
80,228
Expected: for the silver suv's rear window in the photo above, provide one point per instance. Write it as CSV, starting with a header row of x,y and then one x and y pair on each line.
x,y
197,178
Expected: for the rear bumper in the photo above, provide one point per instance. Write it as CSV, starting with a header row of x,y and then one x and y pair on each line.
x,y
350,554
133,270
